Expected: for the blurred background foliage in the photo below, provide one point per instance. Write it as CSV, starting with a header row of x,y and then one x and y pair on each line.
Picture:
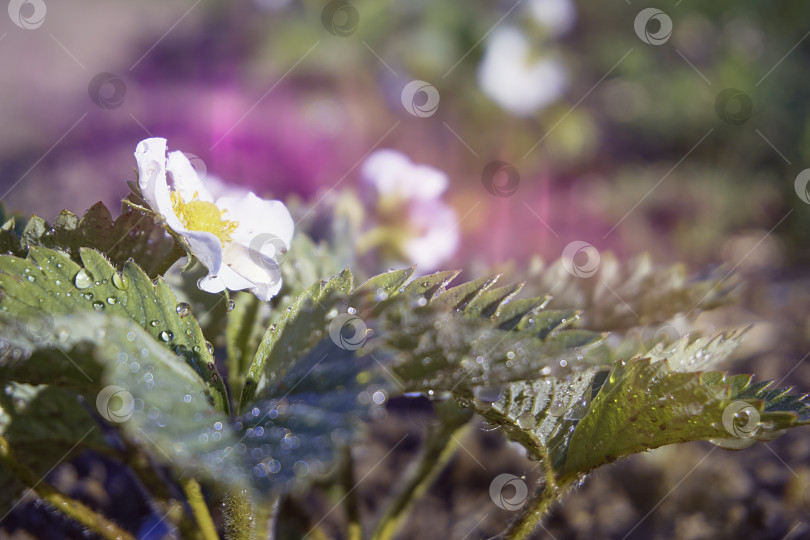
x,y
269,99
619,143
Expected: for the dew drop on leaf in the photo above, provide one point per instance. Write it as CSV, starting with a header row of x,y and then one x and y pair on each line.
x,y
166,335
557,407
578,409
487,394
183,309
112,300
83,279
153,323
120,281
527,421
231,305
98,306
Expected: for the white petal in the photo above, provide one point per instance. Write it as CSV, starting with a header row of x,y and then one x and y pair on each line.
x,y
206,247
511,75
251,266
440,238
392,173
427,182
245,269
264,226
558,16
381,168
266,292
186,181
150,154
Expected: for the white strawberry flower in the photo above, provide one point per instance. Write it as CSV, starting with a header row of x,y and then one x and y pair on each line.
x,y
239,239
430,234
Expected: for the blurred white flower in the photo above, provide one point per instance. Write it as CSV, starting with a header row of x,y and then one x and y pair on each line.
x,y
558,16
514,78
393,174
237,238
439,238
429,235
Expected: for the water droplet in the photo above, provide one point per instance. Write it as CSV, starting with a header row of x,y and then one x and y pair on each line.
x,y
183,309
112,300
120,281
98,306
210,347
83,279
87,296
31,278
187,398
488,394
527,421
231,305
154,323
557,406
578,409
167,335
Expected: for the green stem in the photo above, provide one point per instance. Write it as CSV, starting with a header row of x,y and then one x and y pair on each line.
x,y
440,445
199,509
536,509
70,507
239,516
354,529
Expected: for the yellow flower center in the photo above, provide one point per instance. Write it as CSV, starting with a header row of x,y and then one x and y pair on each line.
x,y
197,215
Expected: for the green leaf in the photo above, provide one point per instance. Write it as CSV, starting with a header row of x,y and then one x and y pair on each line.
x,y
439,339
48,282
246,325
133,235
645,404
584,419
44,426
290,432
284,439
622,295
299,328
540,414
